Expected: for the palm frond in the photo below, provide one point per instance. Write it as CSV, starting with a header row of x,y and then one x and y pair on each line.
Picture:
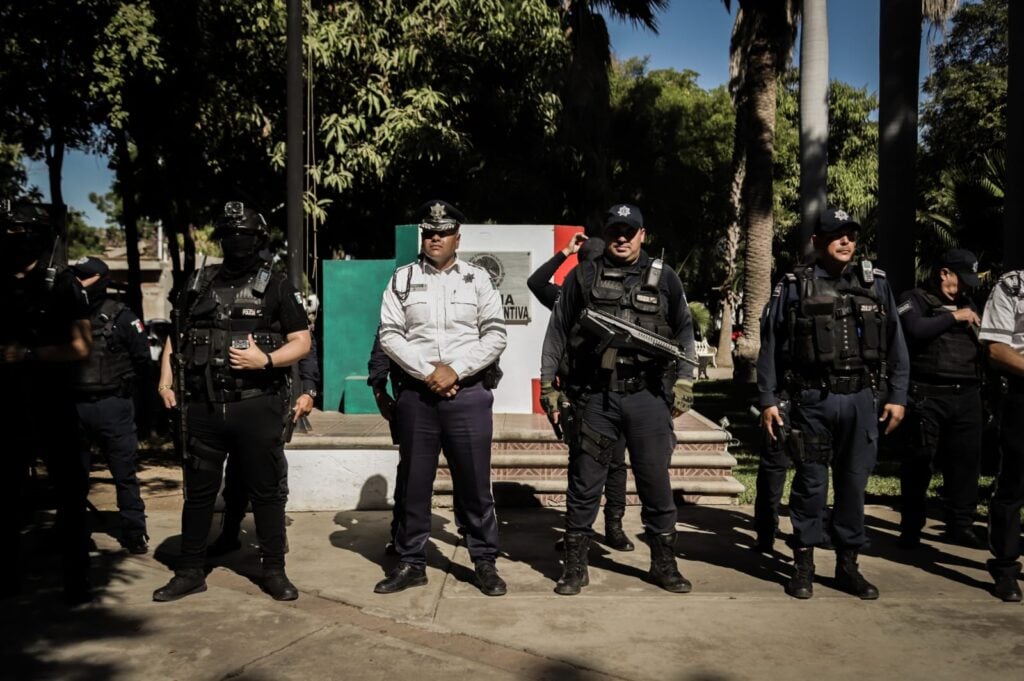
x,y
637,12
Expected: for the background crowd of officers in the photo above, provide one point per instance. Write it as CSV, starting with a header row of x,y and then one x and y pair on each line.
x,y
843,362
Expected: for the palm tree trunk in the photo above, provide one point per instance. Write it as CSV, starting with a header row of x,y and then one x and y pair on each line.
x,y
813,118
731,243
1013,217
130,223
899,73
758,198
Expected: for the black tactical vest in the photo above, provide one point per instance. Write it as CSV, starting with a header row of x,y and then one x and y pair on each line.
x,y
643,303
109,366
222,316
949,357
837,327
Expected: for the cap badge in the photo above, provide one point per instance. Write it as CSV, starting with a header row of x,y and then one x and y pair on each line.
x,y
974,266
623,211
437,212
81,261
841,215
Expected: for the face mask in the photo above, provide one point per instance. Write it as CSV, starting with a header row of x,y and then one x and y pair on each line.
x,y
19,250
239,246
98,290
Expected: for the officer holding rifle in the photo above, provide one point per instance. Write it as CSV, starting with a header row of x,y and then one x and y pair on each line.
x,y
620,340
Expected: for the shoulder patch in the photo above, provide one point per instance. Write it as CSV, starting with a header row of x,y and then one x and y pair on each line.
x,y
1012,283
790,277
137,323
777,291
878,272
904,308
298,298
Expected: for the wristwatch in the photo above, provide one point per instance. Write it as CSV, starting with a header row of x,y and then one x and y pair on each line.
x,y
311,392
270,361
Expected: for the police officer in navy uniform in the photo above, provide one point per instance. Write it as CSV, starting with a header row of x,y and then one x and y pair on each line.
x,y
547,293
442,323
105,389
243,327
612,391
944,412
831,341
1002,330
44,333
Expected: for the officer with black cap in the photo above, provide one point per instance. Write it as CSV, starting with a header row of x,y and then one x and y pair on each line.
x,y
944,411
44,332
442,323
831,342
242,327
547,293
1002,330
105,388
615,385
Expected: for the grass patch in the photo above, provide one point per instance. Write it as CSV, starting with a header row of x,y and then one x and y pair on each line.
x,y
724,398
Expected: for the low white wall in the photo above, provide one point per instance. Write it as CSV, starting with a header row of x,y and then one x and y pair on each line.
x,y
341,479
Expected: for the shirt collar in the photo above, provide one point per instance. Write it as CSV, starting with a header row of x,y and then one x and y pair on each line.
x,y
428,266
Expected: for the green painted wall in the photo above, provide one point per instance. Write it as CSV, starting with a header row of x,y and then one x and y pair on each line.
x,y
407,244
352,291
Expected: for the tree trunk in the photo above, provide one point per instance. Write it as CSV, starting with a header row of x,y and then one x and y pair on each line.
x,y
899,74
130,223
1013,218
758,199
731,243
813,119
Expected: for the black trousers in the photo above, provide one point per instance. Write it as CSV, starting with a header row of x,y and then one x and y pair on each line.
x,y
843,430
641,421
1008,498
236,496
110,423
37,425
462,426
945,433
249,431
771,479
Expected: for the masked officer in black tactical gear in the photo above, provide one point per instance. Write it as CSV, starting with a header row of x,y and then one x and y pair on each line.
x,y
1002,330
614,388
44,332
242,327
831,342
944,412
105,388
547,293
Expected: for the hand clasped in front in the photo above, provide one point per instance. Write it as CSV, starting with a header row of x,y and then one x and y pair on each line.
x,y
442,380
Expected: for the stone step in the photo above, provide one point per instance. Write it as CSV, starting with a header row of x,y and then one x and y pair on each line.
x,y
558,459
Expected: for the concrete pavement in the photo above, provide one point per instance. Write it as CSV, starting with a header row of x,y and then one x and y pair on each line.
x,y
936,618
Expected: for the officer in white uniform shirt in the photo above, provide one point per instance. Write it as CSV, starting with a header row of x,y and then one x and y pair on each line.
x,y
442,324
1002,329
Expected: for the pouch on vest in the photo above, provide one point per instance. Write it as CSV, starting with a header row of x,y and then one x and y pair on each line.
x,y
199,340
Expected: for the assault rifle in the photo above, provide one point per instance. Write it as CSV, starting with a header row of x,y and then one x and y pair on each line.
x,y
620,334
178,315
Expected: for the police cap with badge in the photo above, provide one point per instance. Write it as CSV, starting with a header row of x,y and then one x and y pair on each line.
x,y
439,216
833,220
964,264
624,214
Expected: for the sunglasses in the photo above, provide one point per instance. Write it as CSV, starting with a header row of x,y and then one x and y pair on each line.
x,y
428,234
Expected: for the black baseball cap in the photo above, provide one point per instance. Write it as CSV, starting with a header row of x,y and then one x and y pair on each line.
x,y
89,267
439,216
833,220
624,214
964,263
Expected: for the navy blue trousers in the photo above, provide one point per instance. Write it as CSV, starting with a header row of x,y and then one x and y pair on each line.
x,y
945,433
110,423
641,421
844,430
462,426
1008,498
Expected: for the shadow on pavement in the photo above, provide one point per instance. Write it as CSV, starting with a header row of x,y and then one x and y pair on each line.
x,y
724,538
36,624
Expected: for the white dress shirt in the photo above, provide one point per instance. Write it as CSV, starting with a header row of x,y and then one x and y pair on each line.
x,y
1003,320
452,316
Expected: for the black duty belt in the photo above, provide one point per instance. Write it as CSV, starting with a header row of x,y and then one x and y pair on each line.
x,y
839,384
629,385
918,389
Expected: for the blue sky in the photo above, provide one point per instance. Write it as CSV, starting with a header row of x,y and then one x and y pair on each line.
x,y
694,34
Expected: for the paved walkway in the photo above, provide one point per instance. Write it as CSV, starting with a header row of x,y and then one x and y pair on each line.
x,y
936,618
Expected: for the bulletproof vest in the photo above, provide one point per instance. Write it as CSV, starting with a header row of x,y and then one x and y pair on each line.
x,y
222,316
951,356
642,303
109,366
836,326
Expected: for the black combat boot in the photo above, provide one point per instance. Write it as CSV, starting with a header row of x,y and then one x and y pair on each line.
x,y
574,573
1006,587
849,578
185,582
801,585
487,577
276,583
664,572
402,577
614,536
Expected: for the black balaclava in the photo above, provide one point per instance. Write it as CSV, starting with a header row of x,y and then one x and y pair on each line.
x,y
241,254
19,250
